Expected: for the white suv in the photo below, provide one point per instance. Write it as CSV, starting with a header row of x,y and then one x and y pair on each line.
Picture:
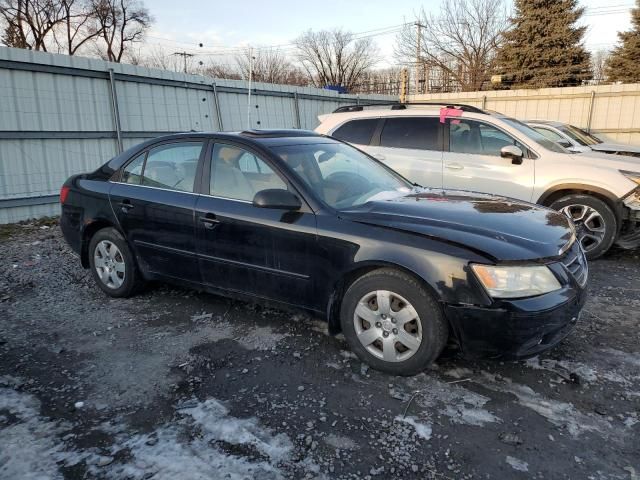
x,y
492,153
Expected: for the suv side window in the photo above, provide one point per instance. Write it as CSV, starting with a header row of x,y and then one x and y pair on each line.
x,y
421,133
478,138
357,131
238,174
172,166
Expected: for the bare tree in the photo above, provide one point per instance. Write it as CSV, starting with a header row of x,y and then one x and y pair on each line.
x,y
122,23
29,23
335,57
269,66
598,65
78,26
460,41
220,70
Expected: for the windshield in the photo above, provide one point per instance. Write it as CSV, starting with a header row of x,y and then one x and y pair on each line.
x,y
579,135
341,175
534,135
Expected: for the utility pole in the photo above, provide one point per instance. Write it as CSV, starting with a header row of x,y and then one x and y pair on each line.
x,y
184,55
250,80
418,54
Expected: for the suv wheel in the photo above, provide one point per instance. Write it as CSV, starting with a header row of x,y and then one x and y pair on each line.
x,y
595,222
112,264
392,323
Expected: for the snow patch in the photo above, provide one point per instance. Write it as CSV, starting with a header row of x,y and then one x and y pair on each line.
x,y
260,338
422,429
518,464
207,439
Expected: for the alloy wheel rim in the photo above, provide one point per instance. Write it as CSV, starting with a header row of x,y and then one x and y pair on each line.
x,y
388,326
590,227
109,264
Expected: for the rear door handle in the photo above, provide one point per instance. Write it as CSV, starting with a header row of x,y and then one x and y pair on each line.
x,y
209,220
125,205
454,166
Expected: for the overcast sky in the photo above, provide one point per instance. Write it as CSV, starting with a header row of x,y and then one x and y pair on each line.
x,y
278,22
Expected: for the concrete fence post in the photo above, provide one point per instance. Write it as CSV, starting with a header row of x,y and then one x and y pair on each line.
x,y
591,102
216,100
296,106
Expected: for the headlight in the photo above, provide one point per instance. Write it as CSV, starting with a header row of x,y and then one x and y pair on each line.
x,y
633,176
516,281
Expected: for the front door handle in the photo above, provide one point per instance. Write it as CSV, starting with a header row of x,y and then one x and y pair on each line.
x,y
454,166
125,205
209,220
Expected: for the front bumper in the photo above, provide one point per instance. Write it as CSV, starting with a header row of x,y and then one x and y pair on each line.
x,y
519,328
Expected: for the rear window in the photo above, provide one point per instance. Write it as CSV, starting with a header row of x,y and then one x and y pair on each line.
x,y
357,131
419,133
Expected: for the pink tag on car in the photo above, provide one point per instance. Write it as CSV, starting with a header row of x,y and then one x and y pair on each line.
x,y
450,112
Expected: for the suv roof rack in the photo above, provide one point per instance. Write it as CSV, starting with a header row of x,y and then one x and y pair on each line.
x,y
275,133
403,106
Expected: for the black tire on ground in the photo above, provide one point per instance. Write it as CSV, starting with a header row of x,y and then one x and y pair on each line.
x,y
130,277
434,327
608,221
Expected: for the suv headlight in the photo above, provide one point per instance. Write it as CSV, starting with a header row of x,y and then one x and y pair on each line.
x,y
516,281
633,176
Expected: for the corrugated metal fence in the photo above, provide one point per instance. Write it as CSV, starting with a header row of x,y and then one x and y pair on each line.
x,y
611,111
61,115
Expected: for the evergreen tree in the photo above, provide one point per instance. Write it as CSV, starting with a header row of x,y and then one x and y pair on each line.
x,y
624,63
543,46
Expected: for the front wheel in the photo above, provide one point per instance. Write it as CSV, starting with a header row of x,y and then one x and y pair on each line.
x,y
392,323
596,225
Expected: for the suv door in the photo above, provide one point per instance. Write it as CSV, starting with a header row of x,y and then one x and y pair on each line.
x,y
412,146
153,201
474,162
242,248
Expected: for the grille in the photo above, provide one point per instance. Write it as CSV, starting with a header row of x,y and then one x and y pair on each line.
x,y
576,263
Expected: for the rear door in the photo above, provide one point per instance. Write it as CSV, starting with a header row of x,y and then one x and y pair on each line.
x,y
154,203
474,163
242,248
412,146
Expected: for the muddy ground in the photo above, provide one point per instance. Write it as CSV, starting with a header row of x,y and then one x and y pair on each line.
x,y
174,384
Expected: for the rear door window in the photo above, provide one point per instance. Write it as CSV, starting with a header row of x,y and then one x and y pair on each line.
x,y
172,166
132,173
357,131
421,133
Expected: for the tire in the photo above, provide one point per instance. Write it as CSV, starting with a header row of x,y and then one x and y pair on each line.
x,y
425,331
599,231
113,269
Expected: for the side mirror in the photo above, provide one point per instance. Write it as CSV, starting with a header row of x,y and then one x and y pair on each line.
x,y
277,198
564,143
512,152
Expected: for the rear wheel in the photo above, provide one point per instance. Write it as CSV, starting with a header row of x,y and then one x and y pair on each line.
x,y
595,222
392,323
112,264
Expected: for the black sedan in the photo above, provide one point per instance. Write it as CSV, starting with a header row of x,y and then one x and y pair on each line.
x,y
309,222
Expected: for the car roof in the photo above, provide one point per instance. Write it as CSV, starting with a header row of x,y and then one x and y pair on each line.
x,y
551,123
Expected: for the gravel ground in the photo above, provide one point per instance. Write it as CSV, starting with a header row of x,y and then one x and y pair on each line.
x,y
177,384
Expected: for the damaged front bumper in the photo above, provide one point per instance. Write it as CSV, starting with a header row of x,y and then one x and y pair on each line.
x,y
629,236
518,328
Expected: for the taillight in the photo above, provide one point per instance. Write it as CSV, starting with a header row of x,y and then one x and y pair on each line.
x,y
64,191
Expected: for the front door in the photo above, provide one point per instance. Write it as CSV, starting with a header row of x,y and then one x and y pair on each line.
x,y
154,203
412,146
242,248
474,163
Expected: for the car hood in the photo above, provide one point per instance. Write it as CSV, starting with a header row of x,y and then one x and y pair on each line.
x,y
615,147
620,162
502,229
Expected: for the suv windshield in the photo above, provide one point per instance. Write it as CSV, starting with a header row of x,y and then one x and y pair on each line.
x,y
341,175
533,135
580,136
